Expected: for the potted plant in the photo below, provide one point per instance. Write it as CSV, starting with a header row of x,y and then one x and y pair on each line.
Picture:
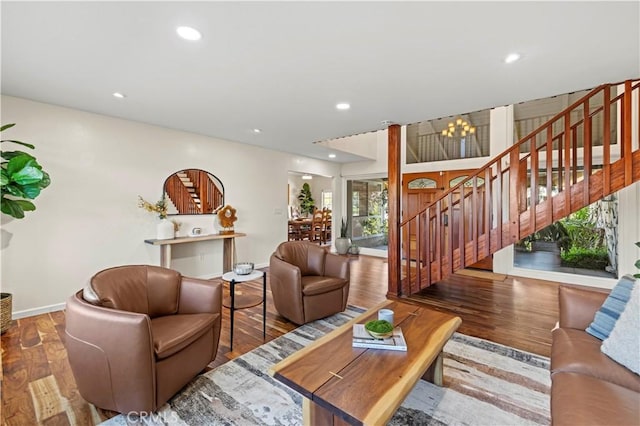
x,y
306,201
343,242
21,180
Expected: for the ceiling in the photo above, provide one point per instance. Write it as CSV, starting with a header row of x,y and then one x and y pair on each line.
x,y
281,67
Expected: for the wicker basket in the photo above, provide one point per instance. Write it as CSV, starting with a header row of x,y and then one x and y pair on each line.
x,y
5,311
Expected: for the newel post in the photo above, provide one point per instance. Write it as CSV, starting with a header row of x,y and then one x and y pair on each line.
x,y
394,185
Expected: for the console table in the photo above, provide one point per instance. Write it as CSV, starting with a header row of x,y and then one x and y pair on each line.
x,y
227,250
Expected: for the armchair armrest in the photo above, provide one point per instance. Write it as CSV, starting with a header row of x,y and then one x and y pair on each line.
x,y
200,296
103,342
336,266
578,305
286,287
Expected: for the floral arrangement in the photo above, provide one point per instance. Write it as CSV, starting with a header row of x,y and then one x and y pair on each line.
x,y
159,207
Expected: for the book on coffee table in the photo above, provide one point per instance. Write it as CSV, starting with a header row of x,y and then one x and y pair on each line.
x,y
362,339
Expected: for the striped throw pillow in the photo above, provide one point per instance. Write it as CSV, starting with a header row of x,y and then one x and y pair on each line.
x,y
606,317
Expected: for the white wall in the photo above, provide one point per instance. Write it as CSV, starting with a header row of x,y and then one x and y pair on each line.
x,y
88,219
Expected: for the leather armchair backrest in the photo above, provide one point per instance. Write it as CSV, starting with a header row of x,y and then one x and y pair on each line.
x,y
306,256
144,289
295,253
315,260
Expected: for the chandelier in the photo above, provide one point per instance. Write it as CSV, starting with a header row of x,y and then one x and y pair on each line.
x,y
460,129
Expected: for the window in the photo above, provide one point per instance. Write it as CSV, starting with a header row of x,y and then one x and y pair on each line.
x,y
327,197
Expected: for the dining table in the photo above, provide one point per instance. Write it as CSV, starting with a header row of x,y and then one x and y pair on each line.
x,y
299,228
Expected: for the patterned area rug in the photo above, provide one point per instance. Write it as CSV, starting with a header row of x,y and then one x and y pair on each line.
x,y
485,383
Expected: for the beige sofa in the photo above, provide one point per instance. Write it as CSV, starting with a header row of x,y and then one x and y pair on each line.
x,y
588,388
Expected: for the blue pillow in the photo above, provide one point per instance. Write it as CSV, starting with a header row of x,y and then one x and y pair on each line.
x,y
606,317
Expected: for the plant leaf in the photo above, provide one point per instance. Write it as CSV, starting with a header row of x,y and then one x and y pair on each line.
x,y
8,155
17,163
31,191
13,189
7,126
46,180
12,208
4,177
28,145
27,175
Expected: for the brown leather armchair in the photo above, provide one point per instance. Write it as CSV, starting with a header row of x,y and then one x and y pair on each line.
x,y
308,283
137,334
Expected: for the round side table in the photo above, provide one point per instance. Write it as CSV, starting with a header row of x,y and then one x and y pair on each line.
x,y
241,301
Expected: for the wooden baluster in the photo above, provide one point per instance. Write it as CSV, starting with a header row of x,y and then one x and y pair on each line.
x,y
475,217
587,141
626,134
487,210
567,164
438,241
534,186
499,213
428,244
549,165
461,228
514,196
606,144
418,282
450,233
574,151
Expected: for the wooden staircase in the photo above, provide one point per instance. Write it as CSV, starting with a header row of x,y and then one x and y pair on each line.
x,y
556,170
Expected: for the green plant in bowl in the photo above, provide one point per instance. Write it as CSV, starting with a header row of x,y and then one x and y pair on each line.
x,y
379,329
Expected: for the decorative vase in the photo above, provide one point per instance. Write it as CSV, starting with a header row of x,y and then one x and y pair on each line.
x,y
342,245
165,230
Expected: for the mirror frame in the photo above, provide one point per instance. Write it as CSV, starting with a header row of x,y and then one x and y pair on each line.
x,y
213,178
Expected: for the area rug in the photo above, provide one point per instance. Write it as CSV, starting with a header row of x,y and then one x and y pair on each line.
x,y
484,384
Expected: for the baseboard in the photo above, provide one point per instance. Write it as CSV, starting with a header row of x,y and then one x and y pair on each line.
x,y
37,311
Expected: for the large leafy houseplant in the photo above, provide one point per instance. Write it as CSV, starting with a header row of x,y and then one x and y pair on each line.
x,y
306,200
22,179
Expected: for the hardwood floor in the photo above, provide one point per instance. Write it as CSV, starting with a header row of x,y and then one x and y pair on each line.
x,y
38,386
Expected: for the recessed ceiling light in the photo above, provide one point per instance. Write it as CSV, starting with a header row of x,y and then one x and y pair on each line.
x,y
257,131
189,33
343,106
511,58
307,177
332,156
119,95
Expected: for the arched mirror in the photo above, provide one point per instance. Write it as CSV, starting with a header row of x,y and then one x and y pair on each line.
x,y
193,191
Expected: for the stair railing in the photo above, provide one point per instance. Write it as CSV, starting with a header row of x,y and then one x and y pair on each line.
x,y
180,196
505,200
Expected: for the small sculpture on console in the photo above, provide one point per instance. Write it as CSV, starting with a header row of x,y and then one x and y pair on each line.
x,y
227,216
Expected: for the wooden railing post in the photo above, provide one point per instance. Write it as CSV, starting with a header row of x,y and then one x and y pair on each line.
x,y
394,286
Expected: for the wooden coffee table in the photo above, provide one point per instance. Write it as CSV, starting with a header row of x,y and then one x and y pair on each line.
x,y
345,385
